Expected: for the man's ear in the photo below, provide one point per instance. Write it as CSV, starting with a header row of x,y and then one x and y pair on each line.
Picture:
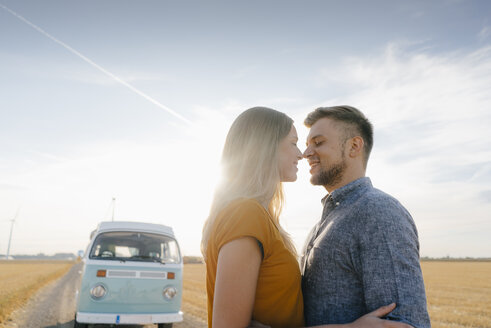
x,y
356,145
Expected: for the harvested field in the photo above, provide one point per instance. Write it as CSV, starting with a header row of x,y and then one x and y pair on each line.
x,y
459,293
194,293
19,280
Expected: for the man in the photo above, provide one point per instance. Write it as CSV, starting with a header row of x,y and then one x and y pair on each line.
x,y
364,252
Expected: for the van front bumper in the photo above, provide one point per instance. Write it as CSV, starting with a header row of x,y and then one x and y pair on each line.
x,y
132,319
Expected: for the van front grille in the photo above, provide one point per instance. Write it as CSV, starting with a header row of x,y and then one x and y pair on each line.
x,y
121,274
152,274
136,274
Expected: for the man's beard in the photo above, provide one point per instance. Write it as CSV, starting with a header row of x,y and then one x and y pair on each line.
x,y
330,176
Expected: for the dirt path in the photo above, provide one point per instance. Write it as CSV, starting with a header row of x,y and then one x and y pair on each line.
x,y
54,306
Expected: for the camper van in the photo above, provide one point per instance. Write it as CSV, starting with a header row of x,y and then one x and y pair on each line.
x,y
132,274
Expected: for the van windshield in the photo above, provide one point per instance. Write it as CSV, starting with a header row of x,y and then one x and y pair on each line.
x,y
135,246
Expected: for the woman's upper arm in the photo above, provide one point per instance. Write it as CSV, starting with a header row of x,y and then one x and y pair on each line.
x,y
235,286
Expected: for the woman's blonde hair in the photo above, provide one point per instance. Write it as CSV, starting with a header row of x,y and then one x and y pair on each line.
x,y
250,166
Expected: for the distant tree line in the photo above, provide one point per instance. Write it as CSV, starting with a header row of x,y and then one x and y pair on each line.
x,y
42,256
192,259
448,258
72,257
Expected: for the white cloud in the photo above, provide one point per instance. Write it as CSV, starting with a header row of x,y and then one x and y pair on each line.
x,y
96,78
169,181
484,33
70,69
153,183
432,116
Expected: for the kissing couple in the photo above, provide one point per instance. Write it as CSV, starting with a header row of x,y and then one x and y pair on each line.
x,y
360,264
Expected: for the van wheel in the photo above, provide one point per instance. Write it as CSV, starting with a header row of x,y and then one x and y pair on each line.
x,y
78,324
165,325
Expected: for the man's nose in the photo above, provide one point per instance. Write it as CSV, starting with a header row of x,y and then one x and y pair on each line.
x,y
307,152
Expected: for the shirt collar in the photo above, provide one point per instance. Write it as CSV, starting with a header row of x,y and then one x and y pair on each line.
x,y
342,193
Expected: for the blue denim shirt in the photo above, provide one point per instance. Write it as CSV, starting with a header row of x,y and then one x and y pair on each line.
x,y
362,254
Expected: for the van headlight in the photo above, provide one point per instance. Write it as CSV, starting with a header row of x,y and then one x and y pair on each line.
x,y
169,293
97,292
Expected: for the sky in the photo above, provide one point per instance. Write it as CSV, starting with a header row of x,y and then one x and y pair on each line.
x,y
133,100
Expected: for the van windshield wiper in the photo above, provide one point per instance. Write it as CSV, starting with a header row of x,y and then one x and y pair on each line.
x,y
110,258
145,258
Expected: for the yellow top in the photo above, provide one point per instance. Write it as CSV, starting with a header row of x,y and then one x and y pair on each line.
x,y
278,301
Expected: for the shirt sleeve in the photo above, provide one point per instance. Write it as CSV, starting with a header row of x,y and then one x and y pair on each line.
x,y
244,219
389,265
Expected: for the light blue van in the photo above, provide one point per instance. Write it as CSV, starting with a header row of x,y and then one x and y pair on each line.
x,y
132,274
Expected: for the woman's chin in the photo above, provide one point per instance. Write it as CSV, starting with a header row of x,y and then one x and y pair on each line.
x,y
291,178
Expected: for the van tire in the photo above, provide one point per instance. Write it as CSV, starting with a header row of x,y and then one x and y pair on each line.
x,y
165,325
78,324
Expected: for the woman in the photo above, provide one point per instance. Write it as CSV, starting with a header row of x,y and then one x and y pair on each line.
x,y
251,262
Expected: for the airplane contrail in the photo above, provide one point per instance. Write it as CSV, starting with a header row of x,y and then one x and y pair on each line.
x,y
103,70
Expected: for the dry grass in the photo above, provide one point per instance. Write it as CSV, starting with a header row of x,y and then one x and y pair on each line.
x,y
194,293
459,293
19,280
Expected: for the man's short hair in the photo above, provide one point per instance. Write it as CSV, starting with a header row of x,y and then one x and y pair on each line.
x,y
356,121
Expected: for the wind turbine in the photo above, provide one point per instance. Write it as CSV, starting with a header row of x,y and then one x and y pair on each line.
x,y
114,205
11,229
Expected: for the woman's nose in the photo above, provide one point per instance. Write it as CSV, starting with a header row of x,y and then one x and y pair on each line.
x,y
299,154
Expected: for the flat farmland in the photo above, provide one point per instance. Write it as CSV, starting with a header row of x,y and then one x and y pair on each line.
x,y
19,280
459,293
194,293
